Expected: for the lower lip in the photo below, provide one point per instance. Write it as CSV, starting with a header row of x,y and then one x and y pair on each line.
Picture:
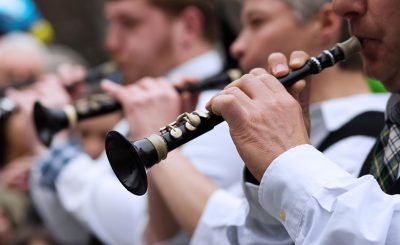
x,y
369,45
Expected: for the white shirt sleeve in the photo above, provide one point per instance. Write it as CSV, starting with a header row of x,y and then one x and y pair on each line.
x,y
90,191
265,230
320,203
229,219
223,214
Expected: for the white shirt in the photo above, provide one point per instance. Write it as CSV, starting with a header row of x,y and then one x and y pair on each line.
x,y
90,191
232,226
63,227
320,203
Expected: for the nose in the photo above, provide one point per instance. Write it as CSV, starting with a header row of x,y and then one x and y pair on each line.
x,y
237,48
112,40
350,8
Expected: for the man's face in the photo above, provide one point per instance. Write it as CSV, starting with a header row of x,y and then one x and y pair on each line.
x,y
269,26
139,38
377,24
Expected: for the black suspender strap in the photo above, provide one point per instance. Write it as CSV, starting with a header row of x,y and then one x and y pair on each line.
x,y
395,188
369,123
367,163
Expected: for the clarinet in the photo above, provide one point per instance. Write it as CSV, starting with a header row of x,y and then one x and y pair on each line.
x,y
7,107
49,121
94,75
17,85
130,160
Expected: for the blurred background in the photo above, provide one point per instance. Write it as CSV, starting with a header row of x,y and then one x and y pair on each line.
x,y
79,25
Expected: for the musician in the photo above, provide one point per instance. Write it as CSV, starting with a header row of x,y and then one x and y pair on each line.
x,y
315,200
212,212
24,68
146,38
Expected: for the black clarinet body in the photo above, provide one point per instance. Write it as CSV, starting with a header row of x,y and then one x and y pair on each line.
x,y
49,121
135,157
108,70
129,160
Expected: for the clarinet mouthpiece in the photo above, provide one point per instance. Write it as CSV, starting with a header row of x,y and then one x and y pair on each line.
x,y
350,47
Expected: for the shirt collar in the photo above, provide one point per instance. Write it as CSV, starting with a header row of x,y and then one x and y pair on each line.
x,y
334,116
202,66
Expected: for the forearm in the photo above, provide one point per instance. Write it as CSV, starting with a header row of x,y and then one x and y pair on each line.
x,y
185,194
162,225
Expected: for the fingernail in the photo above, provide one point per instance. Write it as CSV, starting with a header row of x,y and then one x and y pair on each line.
x,y
279,68
296,61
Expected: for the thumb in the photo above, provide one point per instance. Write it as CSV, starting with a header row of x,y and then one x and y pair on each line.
x,y
297,89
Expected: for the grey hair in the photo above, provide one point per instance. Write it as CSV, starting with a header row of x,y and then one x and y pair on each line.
x,y
50,57
305,9
25,44
22,42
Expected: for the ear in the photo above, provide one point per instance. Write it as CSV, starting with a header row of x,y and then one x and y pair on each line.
x,y
329,24
191,26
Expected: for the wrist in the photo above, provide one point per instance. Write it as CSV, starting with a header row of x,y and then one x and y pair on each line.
x,y
259,168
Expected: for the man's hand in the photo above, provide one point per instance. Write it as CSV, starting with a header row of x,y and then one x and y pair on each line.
x,y
189,99
265,120
72,77
148,104
51,92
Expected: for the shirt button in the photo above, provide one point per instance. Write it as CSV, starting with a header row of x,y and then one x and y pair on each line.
x,y
281,215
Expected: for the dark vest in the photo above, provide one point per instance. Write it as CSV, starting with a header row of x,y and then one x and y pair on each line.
x,y
369,124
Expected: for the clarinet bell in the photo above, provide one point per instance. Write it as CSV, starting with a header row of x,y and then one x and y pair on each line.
x,y
48,122
126,163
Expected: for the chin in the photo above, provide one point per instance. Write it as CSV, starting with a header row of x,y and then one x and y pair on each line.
x,y
391,86
130,77
387,77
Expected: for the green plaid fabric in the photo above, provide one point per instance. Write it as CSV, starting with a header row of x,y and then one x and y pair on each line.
x,y
386,157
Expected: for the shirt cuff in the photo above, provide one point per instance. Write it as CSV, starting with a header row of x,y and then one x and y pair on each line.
x,y
256,212
291,181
